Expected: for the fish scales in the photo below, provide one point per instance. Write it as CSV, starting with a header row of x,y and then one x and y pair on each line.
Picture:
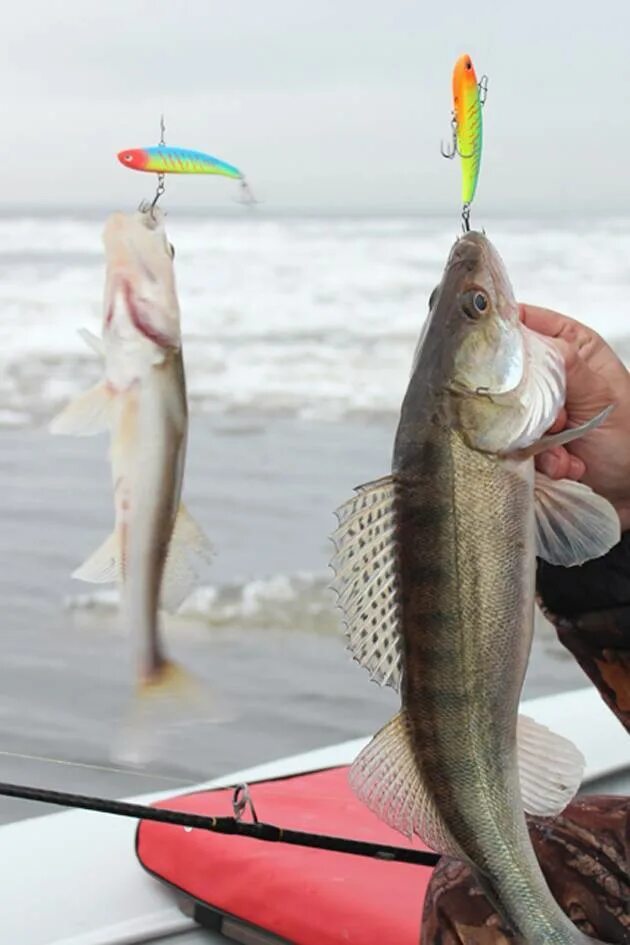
x,y
465,516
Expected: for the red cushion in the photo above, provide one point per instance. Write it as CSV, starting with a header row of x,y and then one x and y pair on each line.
x,y
311,897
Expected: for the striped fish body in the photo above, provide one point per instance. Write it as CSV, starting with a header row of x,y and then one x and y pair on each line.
x,y
466,547
435,570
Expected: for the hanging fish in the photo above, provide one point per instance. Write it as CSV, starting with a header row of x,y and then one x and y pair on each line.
x,y
166,160
155,549
469,96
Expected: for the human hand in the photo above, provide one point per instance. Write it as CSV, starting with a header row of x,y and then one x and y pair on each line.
x,y
596,378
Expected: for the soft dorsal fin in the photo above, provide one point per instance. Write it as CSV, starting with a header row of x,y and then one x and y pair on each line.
x,y
366,579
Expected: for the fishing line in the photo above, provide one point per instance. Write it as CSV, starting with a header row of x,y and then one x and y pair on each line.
x,y
223,825
111,769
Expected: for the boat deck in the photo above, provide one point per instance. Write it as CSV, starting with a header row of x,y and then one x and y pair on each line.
x,y
72,878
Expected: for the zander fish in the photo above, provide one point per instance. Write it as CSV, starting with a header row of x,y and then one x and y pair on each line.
x,y
435,570
155,546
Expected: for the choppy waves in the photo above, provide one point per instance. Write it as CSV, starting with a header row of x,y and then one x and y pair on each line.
x,y
301,601
313,318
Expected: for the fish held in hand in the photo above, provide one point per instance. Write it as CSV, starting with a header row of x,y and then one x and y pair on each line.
x,y
435,571
155,548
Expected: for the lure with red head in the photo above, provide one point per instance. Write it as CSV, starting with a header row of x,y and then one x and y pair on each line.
x,y
167,160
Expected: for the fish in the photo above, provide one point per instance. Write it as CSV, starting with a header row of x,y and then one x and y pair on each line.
x,y
435,574
467,112
156,547
163,159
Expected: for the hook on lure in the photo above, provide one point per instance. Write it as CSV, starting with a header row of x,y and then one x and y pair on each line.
x,y
161,181
469,97
163,160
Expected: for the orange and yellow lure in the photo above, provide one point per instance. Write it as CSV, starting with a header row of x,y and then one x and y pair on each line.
x,y
469,96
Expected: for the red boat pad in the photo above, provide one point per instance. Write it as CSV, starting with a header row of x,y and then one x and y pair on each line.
x,y
310,897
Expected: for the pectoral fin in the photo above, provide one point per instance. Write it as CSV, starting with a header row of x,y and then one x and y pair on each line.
x,y
565,436
93,341
573,523
86,415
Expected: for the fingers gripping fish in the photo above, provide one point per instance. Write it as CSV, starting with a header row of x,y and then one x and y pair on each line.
x,y
435,570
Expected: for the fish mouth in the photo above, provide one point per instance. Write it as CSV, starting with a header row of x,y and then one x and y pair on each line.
x,y
473,262
469,252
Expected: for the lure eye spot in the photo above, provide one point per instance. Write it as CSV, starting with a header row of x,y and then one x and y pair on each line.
x,y
128,158
468,64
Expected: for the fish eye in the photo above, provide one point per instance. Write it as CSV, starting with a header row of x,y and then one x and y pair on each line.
x,y
480,302
474,304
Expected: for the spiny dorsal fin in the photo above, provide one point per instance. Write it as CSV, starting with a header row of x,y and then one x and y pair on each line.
x,y
385,777
366,579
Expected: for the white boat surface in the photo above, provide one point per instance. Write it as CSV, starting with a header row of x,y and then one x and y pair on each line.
x,y
72,877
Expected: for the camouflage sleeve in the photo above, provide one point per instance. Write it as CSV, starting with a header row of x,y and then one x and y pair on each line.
x,y
585,856
590,608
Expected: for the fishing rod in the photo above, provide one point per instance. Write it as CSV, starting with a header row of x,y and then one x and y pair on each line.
x,y
223,825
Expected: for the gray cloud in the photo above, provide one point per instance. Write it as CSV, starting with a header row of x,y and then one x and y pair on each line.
x,y
322,104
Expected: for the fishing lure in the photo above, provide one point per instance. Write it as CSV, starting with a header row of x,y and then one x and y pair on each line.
x,y
469,96
166,160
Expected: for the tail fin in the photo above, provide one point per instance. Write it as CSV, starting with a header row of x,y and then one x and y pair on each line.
x,y
171,695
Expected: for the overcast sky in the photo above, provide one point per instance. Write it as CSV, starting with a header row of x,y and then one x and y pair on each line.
x,y
323,103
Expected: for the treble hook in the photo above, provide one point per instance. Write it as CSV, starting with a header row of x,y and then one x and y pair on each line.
x,y
161,184
483,89
447,152
454,148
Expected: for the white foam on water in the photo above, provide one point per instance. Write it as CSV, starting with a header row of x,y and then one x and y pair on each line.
x,y
314,318
300,601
